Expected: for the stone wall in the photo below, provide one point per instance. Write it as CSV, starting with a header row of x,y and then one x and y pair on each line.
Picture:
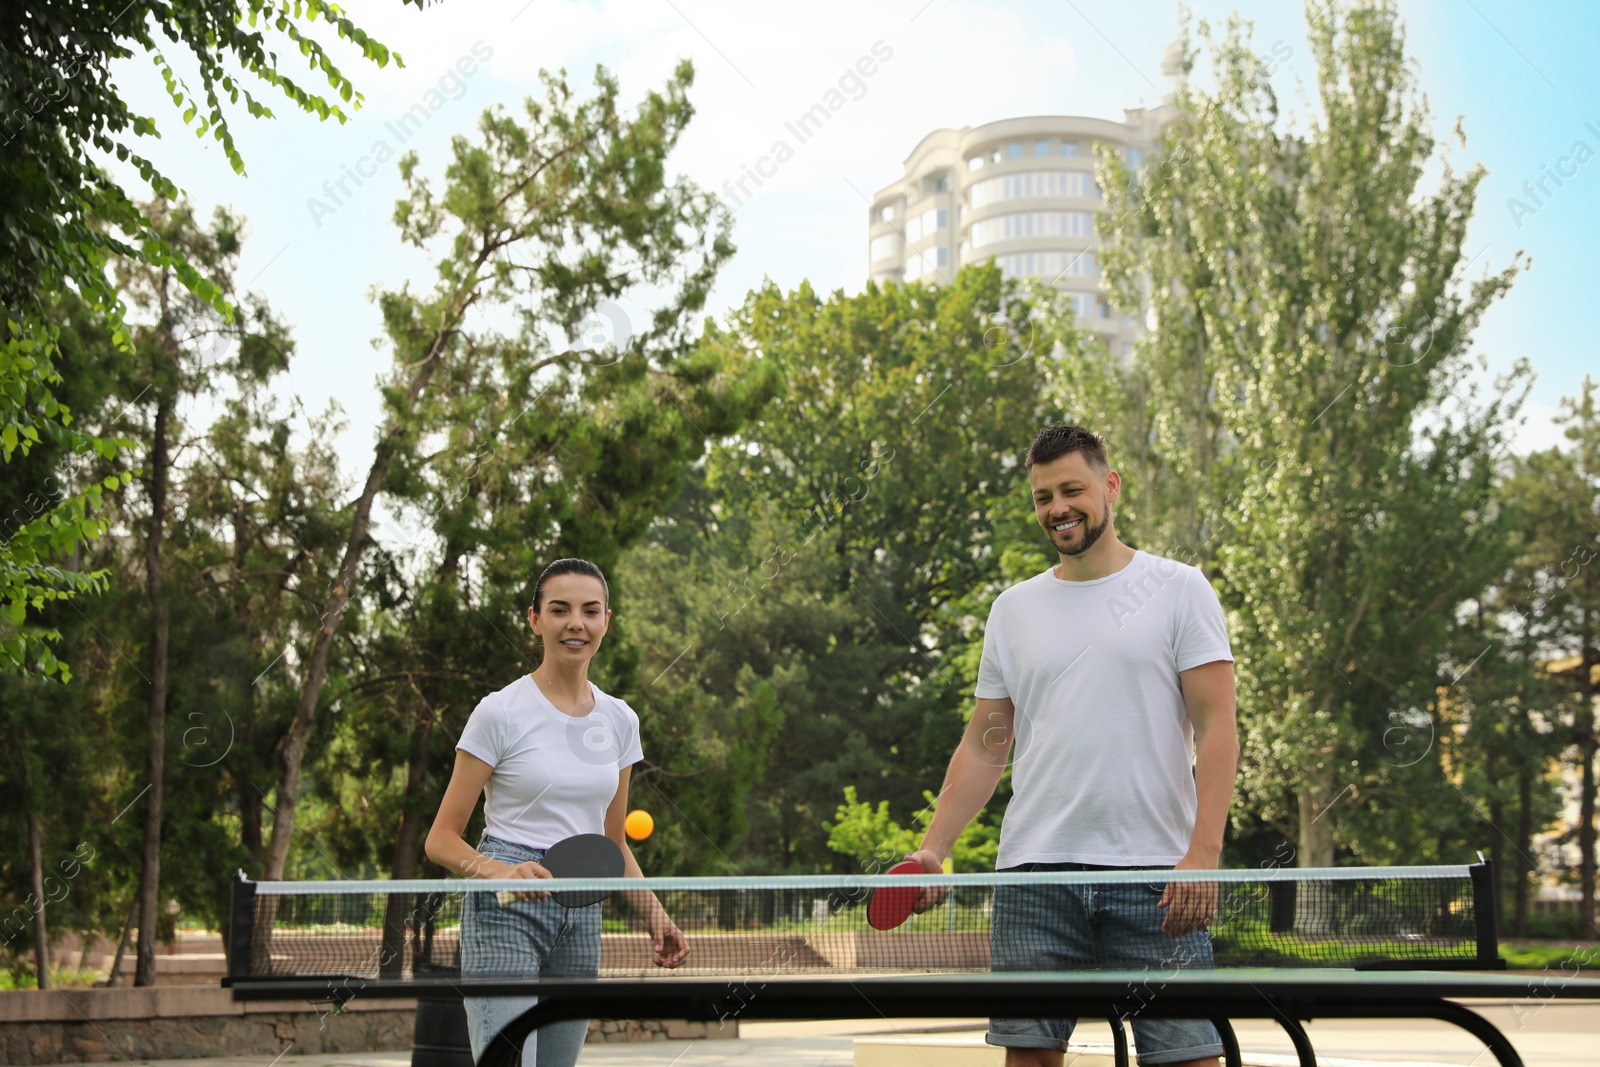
x,y
100,1025
216,1035
96,1025
605,1030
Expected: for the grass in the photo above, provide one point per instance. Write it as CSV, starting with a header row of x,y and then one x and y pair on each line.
x,y
12,980
1560,959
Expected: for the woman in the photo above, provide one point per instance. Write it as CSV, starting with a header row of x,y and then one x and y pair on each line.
x,y
551,754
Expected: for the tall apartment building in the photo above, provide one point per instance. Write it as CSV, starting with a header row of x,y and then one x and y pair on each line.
x,y
1020,192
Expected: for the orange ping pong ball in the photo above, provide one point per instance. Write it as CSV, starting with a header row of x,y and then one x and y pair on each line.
x,y
639,824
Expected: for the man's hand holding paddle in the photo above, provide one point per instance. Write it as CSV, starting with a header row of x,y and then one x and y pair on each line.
x,y
975,769
928,862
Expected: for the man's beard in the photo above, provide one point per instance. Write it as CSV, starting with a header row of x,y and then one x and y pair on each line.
x,y
1090,536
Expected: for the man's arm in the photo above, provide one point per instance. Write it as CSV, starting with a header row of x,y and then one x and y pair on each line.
x,y
975,770
1209,697
1208,693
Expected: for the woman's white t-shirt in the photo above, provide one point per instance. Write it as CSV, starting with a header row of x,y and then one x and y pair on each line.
x,y
554,773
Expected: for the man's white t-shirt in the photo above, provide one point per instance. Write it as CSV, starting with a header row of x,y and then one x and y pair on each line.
x,y
554,773
1103,771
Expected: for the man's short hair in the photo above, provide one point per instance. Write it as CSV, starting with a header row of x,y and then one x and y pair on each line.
x,y
1059,440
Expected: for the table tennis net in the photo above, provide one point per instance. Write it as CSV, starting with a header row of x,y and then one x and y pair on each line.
x,y
402,931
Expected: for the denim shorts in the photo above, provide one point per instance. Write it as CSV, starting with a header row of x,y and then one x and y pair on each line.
x,y
525,939
1067,927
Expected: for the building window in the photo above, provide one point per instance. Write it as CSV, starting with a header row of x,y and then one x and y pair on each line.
x,y
1069,148
885,247
927,223
1014,150
975,163
1135,157
1041,148
1033,224
886,214
1039,183
941,184
1048,265
921,264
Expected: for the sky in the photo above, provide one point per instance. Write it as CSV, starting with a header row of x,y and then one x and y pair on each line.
x,y
1521,77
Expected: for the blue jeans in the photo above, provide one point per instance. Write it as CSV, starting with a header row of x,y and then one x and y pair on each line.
x,y
525,939
1068,927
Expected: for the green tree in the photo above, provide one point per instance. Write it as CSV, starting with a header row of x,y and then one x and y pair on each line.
x,y
1500,742
92,735
845,546
1306,426
875,841
267,486
541,221
719,679
1553,595
58,741
183,348
65,217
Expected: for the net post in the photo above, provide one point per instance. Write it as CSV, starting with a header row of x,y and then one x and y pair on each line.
x,y
1486,912
241,927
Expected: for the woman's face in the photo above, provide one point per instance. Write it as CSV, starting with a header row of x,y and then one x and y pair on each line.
x,y
572,618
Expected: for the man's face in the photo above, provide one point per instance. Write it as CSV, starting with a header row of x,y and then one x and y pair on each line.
x,y
1072,501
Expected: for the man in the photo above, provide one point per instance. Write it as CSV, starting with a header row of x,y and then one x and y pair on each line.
x,y
1113,674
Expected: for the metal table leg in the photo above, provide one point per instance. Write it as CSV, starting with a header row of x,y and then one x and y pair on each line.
x,y
1119,1040
1230,1042
1302,1043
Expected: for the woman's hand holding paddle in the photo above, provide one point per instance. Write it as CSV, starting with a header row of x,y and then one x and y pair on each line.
x,y
528,869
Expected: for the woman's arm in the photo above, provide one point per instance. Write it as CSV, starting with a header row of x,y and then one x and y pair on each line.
x,y
445,845
670,946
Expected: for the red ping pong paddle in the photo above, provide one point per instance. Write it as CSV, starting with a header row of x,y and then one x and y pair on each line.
x,y
889,906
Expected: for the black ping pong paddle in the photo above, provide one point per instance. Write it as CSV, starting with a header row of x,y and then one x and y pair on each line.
x,y
583,856
579,856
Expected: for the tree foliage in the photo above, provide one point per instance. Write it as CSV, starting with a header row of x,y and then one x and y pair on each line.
x,y
64,218
521,446
1304,422
842,550
1549,604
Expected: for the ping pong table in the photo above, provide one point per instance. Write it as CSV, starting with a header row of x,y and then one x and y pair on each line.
x,y
1290,946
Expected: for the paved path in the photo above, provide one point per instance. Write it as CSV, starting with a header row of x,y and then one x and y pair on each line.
x,y
836,1051
1555,1035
